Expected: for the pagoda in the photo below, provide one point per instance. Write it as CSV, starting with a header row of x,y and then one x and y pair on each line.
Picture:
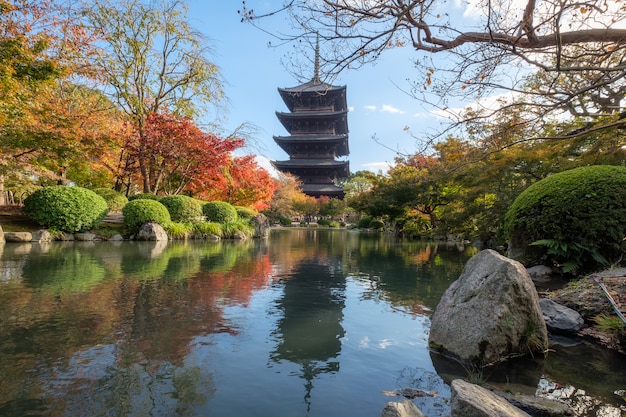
x,y
317,123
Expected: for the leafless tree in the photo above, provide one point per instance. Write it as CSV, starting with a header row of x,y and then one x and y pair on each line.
x,y
556,57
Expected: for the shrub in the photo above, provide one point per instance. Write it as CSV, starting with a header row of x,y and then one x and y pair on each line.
x,y
206,229
177,230
323,222
140,211
182,207
66,209
334,224
245,213
364,223
284,221
237,226
576,219
219,212
116,201
376,224
144,196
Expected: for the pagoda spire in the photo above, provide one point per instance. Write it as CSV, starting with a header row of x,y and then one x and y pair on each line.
x,y
316,68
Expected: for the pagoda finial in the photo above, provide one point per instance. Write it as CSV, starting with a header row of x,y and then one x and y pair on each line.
x,y
316,69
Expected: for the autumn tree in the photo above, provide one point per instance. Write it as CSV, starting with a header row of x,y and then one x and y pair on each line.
x,y
577,48
240,182
288,190
152,61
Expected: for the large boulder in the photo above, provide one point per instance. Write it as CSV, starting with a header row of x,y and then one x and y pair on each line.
x,y
489,313
469,400
559,318
261,225
151,232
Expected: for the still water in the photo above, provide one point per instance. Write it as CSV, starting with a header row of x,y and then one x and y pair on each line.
x,y
306,323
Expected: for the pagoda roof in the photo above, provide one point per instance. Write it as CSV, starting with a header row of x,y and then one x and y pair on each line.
x,y
330,190
288,119
293,165
338,142
314,88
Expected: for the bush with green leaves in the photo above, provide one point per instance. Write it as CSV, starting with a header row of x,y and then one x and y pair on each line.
x,y
144,196
204,230
377,225
66,209
140,211
182,208
219,212
115,200
575,219
237,227
364,223
323,222
245,213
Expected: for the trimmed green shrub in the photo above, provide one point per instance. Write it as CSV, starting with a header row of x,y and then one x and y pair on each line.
x,y
116,201
182,208
284,221
140,211
219,212
376,224
334,224
364,223
66,209
323,222
144,196
575,219
245,213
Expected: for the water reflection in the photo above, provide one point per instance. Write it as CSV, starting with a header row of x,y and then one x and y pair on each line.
x,y
309,322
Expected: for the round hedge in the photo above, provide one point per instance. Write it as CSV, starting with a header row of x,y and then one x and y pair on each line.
x,y
116,201
182,207
219,212
364,223
66,209
576,216
144,196
140,211
245,213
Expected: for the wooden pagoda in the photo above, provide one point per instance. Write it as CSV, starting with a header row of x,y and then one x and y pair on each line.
x,y
317,122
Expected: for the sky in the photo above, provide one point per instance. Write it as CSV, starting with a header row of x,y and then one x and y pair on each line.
x,y
253,71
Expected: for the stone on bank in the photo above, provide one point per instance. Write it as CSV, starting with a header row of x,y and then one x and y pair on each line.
x,y
491,312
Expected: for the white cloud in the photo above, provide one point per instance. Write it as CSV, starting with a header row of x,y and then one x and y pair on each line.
x,y
388,108
377,166
350,108
370,108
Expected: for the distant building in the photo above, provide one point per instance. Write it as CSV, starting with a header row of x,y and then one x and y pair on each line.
x,y
317,123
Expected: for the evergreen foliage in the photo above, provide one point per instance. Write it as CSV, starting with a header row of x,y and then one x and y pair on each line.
x,y
364,223
219,212
182,207
576,218
115,200
140,211
66,209
144,196
245,213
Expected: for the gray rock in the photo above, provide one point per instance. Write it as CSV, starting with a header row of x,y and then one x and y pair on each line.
x,y
151,231
84,237
537,406
42,236
540,273
560,319
116,238
404,408
469,400
18,236
261,225
489,313
239,236
1,235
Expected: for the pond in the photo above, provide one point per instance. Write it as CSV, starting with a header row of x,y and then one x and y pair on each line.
x,y
307,323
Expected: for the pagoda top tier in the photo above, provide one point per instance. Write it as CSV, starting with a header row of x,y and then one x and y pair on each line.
x,y
314,94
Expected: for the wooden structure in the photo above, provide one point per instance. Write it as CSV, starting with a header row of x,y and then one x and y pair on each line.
x,y
317,122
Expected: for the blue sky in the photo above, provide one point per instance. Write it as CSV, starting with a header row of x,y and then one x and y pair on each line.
x,y
253,72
